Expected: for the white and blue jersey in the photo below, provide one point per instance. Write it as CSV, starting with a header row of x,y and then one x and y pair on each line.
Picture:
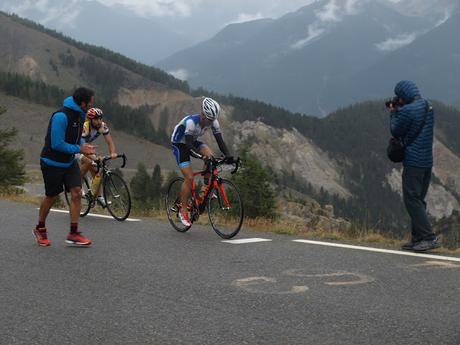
x,y
190,125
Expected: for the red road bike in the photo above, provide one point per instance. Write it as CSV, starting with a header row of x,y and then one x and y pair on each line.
x,y
221,198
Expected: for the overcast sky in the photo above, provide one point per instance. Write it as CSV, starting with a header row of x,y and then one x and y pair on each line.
x,y
184,8
196,19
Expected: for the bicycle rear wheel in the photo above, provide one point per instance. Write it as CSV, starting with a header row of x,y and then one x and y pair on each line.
x,y
85,198
172,204
225,209
117,197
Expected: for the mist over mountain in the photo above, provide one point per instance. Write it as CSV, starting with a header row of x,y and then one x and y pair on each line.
x,y
299,60
433,61
143,39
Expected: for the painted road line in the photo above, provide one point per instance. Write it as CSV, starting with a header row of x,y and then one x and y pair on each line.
x,y
247,240
97,215
378,250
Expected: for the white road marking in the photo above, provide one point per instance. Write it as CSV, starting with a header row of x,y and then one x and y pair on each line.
x,y
97,215
378,250
247,240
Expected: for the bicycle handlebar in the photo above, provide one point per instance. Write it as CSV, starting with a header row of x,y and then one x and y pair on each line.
x,y
237,165
220,161
104,159
122,155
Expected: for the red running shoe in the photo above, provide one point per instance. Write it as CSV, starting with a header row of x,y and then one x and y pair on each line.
x,y
41,236
78,239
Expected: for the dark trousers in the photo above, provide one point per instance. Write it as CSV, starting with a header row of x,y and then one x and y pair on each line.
x,y
415,182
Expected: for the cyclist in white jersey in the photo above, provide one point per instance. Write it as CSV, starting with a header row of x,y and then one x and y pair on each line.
x,y
185,144
92,129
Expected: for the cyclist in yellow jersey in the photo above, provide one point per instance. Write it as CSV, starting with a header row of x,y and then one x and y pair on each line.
x,y
92,129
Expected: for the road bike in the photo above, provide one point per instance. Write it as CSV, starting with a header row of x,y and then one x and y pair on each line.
x,y
114,188
221,198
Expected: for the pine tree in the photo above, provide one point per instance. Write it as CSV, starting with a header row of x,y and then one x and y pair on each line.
x,y
140,184
155,185
254,183
11,166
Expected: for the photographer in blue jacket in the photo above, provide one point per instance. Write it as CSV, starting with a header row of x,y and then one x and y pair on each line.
x,y
412,122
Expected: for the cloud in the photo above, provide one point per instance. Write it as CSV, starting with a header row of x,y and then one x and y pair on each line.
x,y
397,42
330,14
226,9
334,10
313,32
158,8
447,15
45,11
246,17
181,74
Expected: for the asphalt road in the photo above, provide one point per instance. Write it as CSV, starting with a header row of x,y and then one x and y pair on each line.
x,y
144,283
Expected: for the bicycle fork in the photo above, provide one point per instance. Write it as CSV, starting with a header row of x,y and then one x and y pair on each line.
x,y
221,195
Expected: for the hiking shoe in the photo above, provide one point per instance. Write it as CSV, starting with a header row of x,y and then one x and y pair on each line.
x,y
78,239
41,236
408,245
184,218
424,246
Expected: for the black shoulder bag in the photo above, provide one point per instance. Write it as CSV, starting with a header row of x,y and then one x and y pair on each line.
x,y
396,147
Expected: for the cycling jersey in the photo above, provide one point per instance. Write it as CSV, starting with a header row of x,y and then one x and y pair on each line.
x,y
90,133
190,125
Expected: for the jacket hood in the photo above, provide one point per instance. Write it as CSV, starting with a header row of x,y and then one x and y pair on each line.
x,y
70,103
407,90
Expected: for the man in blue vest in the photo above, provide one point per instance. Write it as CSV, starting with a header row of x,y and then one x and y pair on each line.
x,y
59,166
412,121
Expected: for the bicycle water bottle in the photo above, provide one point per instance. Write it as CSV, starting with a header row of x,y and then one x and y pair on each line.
x,y
95,183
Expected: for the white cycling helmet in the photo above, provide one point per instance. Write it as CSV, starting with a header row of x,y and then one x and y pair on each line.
x,y
210,108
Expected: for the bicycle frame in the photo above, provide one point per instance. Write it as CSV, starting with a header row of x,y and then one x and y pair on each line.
x,y
214,182
101,167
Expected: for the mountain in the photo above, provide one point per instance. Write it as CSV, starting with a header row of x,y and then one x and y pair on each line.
x,y
116,28
298,60
430,61
40,67
338,160
48,56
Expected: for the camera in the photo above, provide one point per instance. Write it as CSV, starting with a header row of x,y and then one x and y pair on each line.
x,y
393,102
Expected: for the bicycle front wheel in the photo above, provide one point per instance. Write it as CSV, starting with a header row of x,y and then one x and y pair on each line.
x,y
225,209
85,198
173,204
117,197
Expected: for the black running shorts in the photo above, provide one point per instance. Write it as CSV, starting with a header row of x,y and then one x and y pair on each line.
x,y
57,178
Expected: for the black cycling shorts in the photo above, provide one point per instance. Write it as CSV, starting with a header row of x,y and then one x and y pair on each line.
x,y
183,155
56,178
